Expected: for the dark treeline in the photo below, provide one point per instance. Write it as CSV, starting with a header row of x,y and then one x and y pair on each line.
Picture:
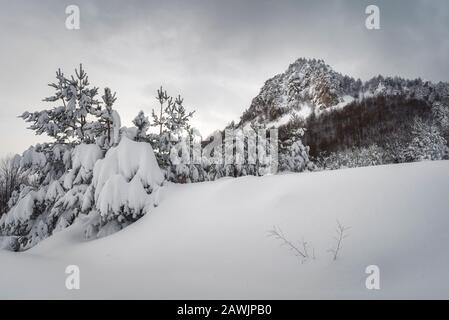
x,y
377,120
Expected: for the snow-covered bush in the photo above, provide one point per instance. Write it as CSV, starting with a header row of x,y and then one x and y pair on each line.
x,y
28,217
427,143
125,186
294,156
352,158
75,183
37,211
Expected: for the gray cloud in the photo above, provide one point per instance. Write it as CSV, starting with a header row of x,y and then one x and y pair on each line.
x,y
217,54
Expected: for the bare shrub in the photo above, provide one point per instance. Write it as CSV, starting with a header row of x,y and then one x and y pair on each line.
x,y
301,250
11,177
341,231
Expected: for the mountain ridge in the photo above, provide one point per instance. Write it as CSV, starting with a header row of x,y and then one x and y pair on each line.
x,y
313,83
310,92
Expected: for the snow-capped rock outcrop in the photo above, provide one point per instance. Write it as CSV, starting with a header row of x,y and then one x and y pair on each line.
x,y
311,86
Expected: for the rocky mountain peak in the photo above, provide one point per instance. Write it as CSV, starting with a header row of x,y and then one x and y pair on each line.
x,y
310,86
307,85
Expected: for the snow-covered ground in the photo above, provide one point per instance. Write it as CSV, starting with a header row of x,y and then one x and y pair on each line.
x,y
209,241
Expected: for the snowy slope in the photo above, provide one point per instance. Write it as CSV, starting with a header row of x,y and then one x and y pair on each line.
x,y
209,241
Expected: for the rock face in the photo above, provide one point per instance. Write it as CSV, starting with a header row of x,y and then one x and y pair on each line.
x,y
305,86
310,86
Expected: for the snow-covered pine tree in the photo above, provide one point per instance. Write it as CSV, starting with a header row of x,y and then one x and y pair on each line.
x,y
159,120
173,122
196,170
108,125
440,113
229,156
293,155
372,155
66,176
60,172
427,142
124,187
142,124
251,164
177,117
29,217
68,122
212,156
161,142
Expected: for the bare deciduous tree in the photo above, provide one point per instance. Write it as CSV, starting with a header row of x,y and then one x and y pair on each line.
x,y
11,177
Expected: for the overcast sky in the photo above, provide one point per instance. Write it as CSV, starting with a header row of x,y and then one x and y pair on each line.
x,y
217,54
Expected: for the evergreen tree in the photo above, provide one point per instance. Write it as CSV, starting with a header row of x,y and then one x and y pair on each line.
x,y
80,118
427,142
173,122
440,113
109,118
293,155
163,98
142,124
60,172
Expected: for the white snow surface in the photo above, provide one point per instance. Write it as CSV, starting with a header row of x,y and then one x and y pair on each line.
x,y
209,241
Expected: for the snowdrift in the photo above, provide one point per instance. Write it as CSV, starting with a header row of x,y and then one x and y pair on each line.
x,y
209,241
